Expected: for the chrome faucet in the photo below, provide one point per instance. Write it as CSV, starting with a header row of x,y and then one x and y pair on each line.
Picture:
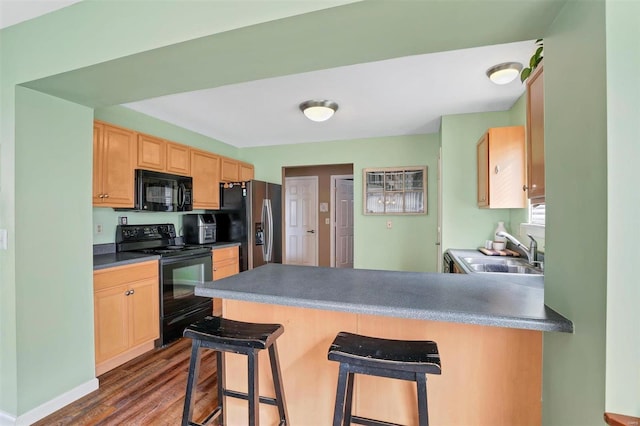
x,y
531,251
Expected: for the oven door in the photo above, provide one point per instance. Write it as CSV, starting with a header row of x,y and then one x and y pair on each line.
x,y
179,276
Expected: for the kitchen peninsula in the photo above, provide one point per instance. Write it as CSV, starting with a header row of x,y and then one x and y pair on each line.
x,y
488,328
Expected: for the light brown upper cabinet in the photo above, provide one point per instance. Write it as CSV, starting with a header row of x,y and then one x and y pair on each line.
x,y
163,156
229,171
235,171
152,154
178,159
114,159
501,168
246,171
535,136
205,170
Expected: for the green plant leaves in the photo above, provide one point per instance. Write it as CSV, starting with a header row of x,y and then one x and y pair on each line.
x,y
536,58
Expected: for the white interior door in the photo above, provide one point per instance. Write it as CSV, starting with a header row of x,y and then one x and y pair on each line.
x,y
301,233
344,223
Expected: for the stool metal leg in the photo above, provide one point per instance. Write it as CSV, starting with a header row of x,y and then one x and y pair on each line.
x,y
253,390
338,412
277,384
220,364
192,382
348,399
423,413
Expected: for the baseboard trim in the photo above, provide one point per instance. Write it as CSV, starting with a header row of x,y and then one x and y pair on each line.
x,y
6,419
50,406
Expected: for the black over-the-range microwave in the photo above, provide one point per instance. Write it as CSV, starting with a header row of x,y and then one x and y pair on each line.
x,y
163,192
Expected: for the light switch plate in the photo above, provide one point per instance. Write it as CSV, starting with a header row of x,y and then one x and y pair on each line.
x,y
3,239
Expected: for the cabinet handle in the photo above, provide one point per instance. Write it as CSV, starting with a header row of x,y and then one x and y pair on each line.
x,y
215,269
106,195
100,195
128,292
131,291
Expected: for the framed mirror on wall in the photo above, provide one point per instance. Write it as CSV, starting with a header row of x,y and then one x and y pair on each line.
x,y
395,190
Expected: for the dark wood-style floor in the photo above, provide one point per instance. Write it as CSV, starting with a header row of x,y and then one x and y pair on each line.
x,y
148,390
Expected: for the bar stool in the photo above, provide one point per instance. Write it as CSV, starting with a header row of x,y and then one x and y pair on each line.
x,y
224,335
398,359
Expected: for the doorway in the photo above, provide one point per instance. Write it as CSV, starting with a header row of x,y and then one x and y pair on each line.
x,y
342,221
301,218
325,210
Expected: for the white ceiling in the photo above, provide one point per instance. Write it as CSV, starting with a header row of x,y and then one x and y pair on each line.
x,y
15,11
402,96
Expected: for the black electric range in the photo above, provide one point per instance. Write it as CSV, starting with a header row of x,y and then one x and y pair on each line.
x,y
154,239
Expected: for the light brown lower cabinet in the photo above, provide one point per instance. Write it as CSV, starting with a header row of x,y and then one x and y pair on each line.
x,y
126,313
226,262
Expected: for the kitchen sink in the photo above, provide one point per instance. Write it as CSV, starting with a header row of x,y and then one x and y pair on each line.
x,y
500,265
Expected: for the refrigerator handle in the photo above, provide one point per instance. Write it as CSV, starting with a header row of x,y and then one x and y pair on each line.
x,y
267,219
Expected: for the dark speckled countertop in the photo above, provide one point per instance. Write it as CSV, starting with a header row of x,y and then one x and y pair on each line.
x,y
105,256
483,299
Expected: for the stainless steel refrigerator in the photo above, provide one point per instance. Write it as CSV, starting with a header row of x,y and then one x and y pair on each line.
x,y
251,214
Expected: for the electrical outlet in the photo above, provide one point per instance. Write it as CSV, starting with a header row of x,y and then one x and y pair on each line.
x,y
98,229
389,224
327,221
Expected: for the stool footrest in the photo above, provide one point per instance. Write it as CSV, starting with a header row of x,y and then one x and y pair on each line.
x,y
245,396
370,422
214,414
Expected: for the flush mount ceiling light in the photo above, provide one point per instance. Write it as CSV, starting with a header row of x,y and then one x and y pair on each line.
x,y
504,73
318,110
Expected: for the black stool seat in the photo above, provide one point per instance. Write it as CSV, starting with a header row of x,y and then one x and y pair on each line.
x,y
224,335
407,355
397,359
224,331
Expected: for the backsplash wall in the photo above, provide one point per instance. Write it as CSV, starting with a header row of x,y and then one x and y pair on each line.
x,y
108,219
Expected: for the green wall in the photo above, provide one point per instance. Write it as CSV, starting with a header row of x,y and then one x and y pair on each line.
x,y
410,244
50,332
464,224
576,225
623,152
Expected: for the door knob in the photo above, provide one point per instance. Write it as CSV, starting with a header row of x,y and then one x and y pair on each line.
x,y
312,231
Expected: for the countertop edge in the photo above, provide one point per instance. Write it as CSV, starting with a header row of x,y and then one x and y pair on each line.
x,y
558,324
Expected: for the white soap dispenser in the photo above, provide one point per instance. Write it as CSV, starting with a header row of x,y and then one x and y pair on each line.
x,y
500,228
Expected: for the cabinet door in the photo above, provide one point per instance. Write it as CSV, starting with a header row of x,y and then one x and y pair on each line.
x,y
506,167
151,153
226,262
98,135
111,326
246,171
178,159
483,170
143,311
206,180
535,136
229,170
118,160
